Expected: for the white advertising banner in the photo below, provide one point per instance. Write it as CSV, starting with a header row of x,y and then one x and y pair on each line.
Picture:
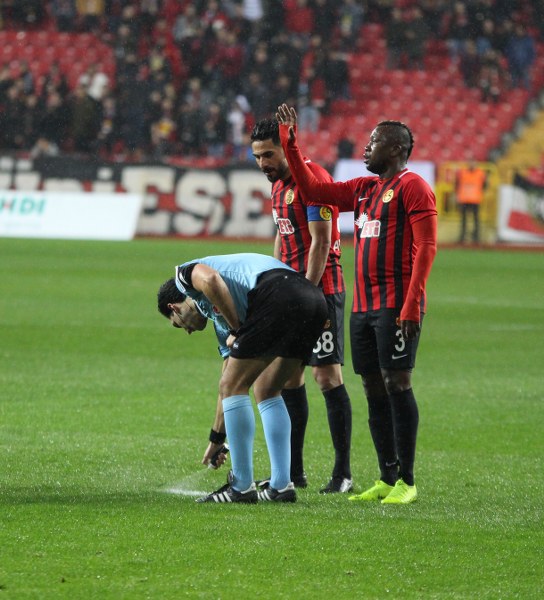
x,y
348,168
69,215
521,213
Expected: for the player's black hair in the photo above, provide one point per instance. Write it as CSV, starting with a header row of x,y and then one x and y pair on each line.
x,y
266,129
402,134
168,294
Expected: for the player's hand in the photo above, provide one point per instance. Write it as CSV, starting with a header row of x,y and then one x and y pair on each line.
x,y
409,329
230,340
210,451
288,116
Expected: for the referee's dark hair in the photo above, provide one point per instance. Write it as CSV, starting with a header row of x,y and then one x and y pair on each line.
x,y
168,294
266,129
401,134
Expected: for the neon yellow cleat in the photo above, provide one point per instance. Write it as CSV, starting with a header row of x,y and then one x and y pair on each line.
x,y
401,494
379,490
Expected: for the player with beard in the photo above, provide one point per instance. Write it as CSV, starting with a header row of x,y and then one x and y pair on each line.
x,y
395,245
308,240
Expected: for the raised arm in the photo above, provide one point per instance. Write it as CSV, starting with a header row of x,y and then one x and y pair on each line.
x,y
314,192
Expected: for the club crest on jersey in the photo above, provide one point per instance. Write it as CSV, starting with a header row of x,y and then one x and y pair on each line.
x,y
325,213
388,196
289,197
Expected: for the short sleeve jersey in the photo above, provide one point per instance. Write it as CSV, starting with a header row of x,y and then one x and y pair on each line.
x,y
240,273
292,216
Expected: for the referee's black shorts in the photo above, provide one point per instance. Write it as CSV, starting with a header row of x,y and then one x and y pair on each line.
x,y
285,316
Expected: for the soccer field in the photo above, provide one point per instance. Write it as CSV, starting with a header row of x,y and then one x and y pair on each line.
x,y
105,411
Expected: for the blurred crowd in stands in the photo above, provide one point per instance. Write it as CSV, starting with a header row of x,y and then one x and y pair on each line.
x,y
192,76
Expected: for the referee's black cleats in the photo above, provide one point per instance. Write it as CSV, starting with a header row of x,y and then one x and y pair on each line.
x,y
287,494
227,493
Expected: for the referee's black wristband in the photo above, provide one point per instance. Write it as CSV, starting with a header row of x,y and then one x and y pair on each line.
x,y
216,437
233,332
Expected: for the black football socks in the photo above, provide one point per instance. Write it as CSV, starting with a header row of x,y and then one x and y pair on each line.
x,y
339,415
296,402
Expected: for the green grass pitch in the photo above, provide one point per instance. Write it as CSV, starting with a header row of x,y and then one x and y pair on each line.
x,y
104,408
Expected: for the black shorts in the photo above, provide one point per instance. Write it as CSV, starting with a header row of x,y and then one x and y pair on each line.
x,y
377,342
285,316
329,349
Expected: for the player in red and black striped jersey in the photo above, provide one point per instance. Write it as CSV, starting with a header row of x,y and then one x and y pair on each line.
x,y
308,240
395,244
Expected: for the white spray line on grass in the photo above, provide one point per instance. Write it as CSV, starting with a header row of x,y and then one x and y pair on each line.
x,y
181,491
191,485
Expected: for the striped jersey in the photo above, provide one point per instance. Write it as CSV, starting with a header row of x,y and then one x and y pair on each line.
x,y
384,211
292,215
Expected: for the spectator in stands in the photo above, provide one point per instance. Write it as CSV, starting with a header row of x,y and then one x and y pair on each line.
x,y
491,80
189,128
227,61
486,39
256,93
236,119
308,107
457,31
90,13
470,65
64,13
109,127
416,34
350,16
31,118
214,130
299,20
186,27
334,71
53,125
95,81
26,77
395,40
55,79
6,81
149,14
11,124
28,13
520,53
434,12
85,119
163,130
325,18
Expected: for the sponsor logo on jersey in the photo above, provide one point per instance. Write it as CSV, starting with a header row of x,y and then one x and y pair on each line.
x,y
289,197
388,196
325,213
368,228
285,226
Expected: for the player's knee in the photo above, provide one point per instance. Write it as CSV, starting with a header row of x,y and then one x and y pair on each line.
x,y
397,381
373,385
328,378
